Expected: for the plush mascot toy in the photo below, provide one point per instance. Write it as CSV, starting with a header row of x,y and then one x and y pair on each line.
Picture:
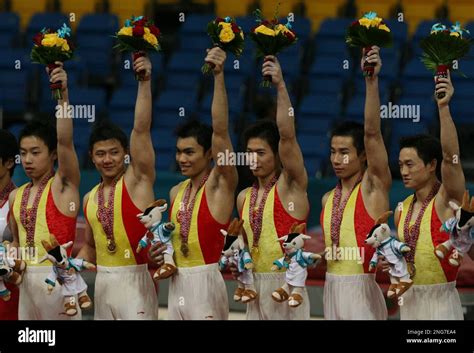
x,y
66,272
392,250
11,271
296,262
461,231
158,231
236,253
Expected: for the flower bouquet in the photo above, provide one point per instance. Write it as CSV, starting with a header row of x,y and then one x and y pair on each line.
x,y
50,47
368,31
139,36
227,35
442,47
271,37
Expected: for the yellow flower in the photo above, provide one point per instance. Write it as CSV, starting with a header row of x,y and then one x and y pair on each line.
x,y
454,34
265,30
376,21
150,38
65,45
147,30
50,40
125,31
226,35
242,34
384,27
365,22
224,24
280,28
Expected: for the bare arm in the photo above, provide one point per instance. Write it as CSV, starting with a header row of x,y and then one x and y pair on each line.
x,y
141,148
220,118
378,171
12,223
88,251
452,175
289,149
68,164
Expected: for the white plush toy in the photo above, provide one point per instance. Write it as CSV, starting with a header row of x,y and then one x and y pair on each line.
x,y
11,271
296,262
236,253
66,272
461,231
392,250
158,231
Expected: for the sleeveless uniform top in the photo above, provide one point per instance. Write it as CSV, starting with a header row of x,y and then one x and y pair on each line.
x,y
127,229
276,223
429,268
49,221
356,224
205,241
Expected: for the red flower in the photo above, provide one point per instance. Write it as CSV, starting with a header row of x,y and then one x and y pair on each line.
x,y
235,28
141,22
355,23
266,23
138,31
219,19
154,30
38,38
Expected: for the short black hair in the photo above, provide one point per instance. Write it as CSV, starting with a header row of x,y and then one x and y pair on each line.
x,y
351,129
427,147
200,131
106,130
42,129
266,130
8,148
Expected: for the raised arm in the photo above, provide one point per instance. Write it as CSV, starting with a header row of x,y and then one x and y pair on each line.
x,y
378,171
141,147
452,175
68,164
220,116
289,151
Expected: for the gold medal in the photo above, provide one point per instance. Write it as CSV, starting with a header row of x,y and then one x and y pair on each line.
x,y
111,246
255,253
184,249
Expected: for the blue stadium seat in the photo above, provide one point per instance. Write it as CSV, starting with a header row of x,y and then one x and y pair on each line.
x,y
183,81
325,85
196,23
122,117
173,101
9,28
99,23
197,43
330,46
313,165
52,20
184,62
311,123
313,145
355,108
399,30
95,42
418,87
123,99
331,66
89,96
14,87
415,69
334,28
462,110
98,63
320,104
427,108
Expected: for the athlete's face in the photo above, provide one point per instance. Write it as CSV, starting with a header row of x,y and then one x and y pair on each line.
x,y
108,157
191,157
36,158
344,159
415,173
267,161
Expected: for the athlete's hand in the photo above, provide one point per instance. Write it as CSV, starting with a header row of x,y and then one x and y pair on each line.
x,y
381,262
155,253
